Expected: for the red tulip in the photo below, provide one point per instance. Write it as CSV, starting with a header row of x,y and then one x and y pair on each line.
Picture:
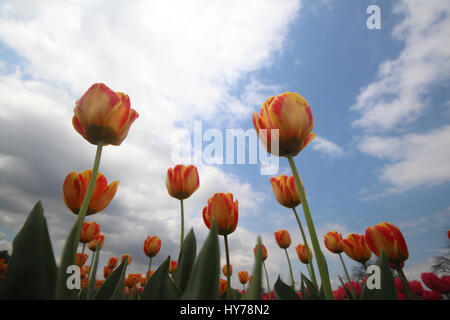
x,y
283,238
356,247
431,280
332,241
222,208
182,181
432,295
152,245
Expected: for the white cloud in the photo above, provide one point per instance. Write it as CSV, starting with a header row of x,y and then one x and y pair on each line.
x,y
327,147
177,62
414,159
398,96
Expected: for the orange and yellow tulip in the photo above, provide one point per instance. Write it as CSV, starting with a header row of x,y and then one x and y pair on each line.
x,y
222,208
128,257
243,277
332,241
112,262
385,236
172,266
355,247
151,246
103,115
149,274
107,271
182,181
264,251
301,252
84,271
291,114
222,287
286,191
80,262
74,190
89,231
283,238
224,270
98,283
92,245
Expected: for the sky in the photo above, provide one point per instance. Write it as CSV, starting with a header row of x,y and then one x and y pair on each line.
x,y
379,98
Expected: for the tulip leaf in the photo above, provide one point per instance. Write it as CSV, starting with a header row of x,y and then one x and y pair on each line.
x,y
93,272
235,295
347,291
31,272
254,288
204,280
186,261
160,286
136,293
312,289
284,291
387,289
118,290
106,291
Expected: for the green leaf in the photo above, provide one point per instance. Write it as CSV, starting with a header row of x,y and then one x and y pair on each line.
x,y
160,286
31,272
118,290
186,261
235,295
305,295
204,280
254,288
313,292
284,291
105,292
93,273
387,289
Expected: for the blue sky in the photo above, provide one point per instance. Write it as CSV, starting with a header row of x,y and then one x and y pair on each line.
x,y
380,102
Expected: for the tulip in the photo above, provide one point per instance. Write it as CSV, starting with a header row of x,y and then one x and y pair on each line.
x,y
339,294
387,237
112,262
356,248
224,270
97,242
98,284
222,287
431,280
432,295
301,252
107,271
143,282
3,268
85,271
80,262
243,277
149,274
355,288
89,232
445,285
291,115
172,266
416,287
181,182
398,285
131,280
103,115
264,251
333,241
222,208
75,187
285,191
283,238
151,246
129,259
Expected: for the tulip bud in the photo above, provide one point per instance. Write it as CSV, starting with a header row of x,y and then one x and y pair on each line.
x,y
172,266
92,245
283,238
112,262
222,287
75,187
103,115
182,181
222,208
291,115
142,282
151,246
356,247
387,237
128,257
285,191
224,270
80,262
89,231
264,251
243,277
301,252
107,271
333,241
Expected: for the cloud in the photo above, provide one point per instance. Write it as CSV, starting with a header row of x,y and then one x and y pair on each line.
x,y
327,147
177,62
414,159
398,96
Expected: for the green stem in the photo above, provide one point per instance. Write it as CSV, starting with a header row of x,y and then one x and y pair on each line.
x,y
90,267
182,224
82,254
312,273
149,266
348,277
405,283
290,269
267,279
228,268
321,263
